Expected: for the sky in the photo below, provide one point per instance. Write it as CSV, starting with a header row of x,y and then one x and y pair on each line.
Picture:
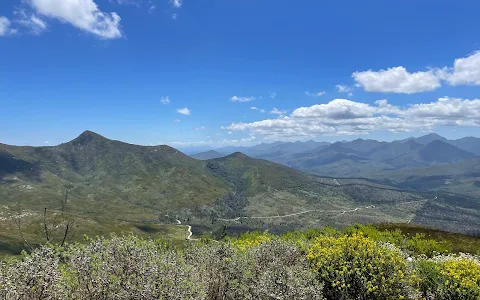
x,y
212,73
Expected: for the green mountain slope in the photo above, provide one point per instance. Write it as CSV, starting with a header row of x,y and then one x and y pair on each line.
x,y
115,184
207,155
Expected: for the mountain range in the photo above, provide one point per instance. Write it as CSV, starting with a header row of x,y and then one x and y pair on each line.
x,y
385,162
129,184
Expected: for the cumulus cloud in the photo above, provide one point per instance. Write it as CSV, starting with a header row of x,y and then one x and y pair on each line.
x,y
254,108
466,70
184,111
397,80
32,22
176,121
318,94
199,128
176,3
174,16
5,28
345,117
336,109
165,100
273,95
242,99
82,14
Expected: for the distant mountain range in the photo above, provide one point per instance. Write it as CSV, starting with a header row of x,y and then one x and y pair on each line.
x,y
367,158
427,163
116,181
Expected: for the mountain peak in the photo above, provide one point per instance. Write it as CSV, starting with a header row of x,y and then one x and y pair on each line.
x,y
427,139
86,137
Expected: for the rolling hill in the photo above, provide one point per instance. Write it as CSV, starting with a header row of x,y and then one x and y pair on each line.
x,y
207,155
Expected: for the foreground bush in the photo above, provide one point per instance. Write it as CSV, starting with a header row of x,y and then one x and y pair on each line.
x,y
355,267
274,270
133,268
320,264
450,277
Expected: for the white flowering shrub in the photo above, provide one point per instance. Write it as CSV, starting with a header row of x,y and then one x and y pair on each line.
x,y
272,270
35,276
133,268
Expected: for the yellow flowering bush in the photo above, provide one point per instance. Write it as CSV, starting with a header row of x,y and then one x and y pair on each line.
x,y
353,265
251,239
450,277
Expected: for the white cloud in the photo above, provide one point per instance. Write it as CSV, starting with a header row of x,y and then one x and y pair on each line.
x,y
343,88
242,99
318,94
176,121
174,16
47,142
336,109
397,80
165,100
82,14
199,128
151,9
256,108
176,3
466,70
276,111
30,21
126,2
447,109
273,95
224,142
5,28
184,111
345,117
229,132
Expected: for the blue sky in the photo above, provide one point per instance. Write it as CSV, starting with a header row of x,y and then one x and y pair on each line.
x,y
313,69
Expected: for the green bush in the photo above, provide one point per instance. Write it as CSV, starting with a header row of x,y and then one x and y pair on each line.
x,y
449,277
356,267
255,270
314,264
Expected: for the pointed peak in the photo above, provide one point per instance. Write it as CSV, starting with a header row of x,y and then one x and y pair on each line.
x,y
238,155
86,137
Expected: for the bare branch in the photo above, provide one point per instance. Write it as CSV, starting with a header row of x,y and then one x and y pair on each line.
x,y
45,224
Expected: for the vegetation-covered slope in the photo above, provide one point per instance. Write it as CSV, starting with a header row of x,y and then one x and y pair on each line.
x,y
360,262
118,182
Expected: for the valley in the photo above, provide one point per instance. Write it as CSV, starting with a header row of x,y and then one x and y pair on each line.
x,y
116,187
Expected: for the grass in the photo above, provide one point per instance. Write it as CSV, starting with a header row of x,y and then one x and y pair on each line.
x,y
458,242
32,228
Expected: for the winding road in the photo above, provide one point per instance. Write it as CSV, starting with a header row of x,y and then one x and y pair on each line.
x,y
342,212
189,230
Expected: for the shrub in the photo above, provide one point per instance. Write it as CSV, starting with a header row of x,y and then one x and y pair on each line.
x,y
273,270
355,267
450,277
35,276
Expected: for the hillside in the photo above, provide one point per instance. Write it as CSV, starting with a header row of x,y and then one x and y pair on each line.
x,y
110,182
207,155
